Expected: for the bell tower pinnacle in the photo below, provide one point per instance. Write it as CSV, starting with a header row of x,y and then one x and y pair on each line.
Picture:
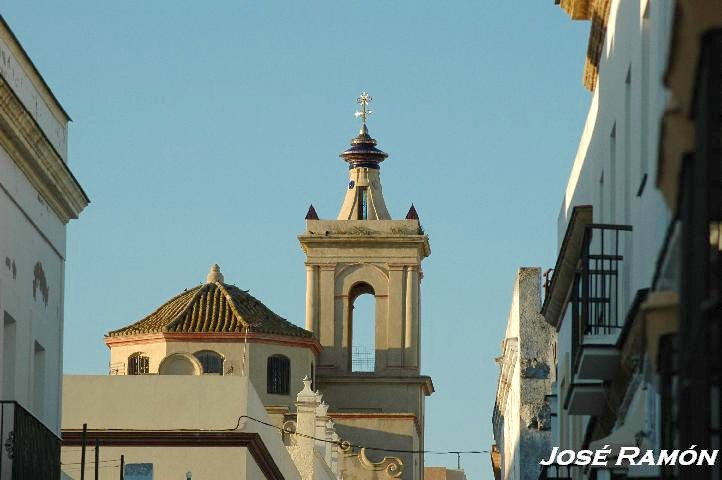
x,y
366,253
364,199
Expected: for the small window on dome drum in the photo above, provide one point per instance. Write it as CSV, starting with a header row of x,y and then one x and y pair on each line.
x,y
211,362
138,364
279,374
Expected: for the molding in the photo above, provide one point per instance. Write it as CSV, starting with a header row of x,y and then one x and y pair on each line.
x,y
420,242
577,9
385,416
181,438
32,152
598,12
597,35
422,380
344,266
311,343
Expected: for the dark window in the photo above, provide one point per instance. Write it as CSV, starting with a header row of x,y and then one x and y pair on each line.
x,y
668,356
211,362
279,374
698,407
138,364
362,204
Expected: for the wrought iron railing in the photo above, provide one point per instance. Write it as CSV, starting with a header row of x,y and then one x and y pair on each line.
x,y
595,293
30,450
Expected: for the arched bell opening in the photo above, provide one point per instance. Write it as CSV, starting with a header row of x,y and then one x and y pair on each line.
x,y
362,326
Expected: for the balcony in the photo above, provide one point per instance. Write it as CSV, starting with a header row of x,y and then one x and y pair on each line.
x,y
29,449
595,302
555,472
586,399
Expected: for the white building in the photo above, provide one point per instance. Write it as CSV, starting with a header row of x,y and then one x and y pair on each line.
x,y
521,418
38,197
619,280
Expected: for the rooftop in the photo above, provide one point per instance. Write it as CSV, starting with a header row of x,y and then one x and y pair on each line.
x,y
213,307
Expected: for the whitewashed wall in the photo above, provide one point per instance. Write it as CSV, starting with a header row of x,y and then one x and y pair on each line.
x,y
31,238
32,255
618,147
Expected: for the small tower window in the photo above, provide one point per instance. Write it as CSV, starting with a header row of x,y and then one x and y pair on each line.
x,y
363,211
138,364
279,374
211,362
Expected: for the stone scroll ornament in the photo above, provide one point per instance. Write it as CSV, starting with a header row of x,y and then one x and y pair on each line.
x,y
393,466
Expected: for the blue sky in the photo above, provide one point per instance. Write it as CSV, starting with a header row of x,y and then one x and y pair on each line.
x,y
203,130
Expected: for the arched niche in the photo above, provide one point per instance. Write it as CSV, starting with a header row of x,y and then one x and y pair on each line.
x,y
362,273
180,364
351,282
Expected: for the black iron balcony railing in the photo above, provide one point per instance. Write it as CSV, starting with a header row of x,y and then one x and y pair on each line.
x,y
29,449
555,472
595,292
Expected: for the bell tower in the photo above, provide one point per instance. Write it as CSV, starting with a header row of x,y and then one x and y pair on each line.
x,y
363,252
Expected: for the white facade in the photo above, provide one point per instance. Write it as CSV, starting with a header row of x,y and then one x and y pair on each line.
x,y
38,196
612,182
521,417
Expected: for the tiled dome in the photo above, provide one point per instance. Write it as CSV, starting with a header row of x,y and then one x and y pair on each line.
x,y
214,307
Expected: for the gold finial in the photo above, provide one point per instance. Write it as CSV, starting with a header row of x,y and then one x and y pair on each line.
x,y
364,100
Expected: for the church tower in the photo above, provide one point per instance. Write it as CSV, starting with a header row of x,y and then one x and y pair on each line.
x,y
364,251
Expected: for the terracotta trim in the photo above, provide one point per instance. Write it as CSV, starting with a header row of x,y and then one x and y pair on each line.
x,y
211,337
180,438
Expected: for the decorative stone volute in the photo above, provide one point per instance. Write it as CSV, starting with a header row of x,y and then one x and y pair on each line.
x,y
214,274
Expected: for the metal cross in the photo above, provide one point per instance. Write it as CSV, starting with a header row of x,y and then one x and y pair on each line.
x,y
364,100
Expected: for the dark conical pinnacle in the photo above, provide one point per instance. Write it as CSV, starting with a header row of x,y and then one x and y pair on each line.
x,y
311,214
412,215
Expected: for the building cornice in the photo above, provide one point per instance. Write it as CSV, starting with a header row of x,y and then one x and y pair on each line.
x,y
598,12
420,242
180,438
34,154
577,9
368,379
208,337
597,35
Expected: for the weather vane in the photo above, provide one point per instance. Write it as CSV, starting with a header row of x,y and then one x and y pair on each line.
x,y
364,100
